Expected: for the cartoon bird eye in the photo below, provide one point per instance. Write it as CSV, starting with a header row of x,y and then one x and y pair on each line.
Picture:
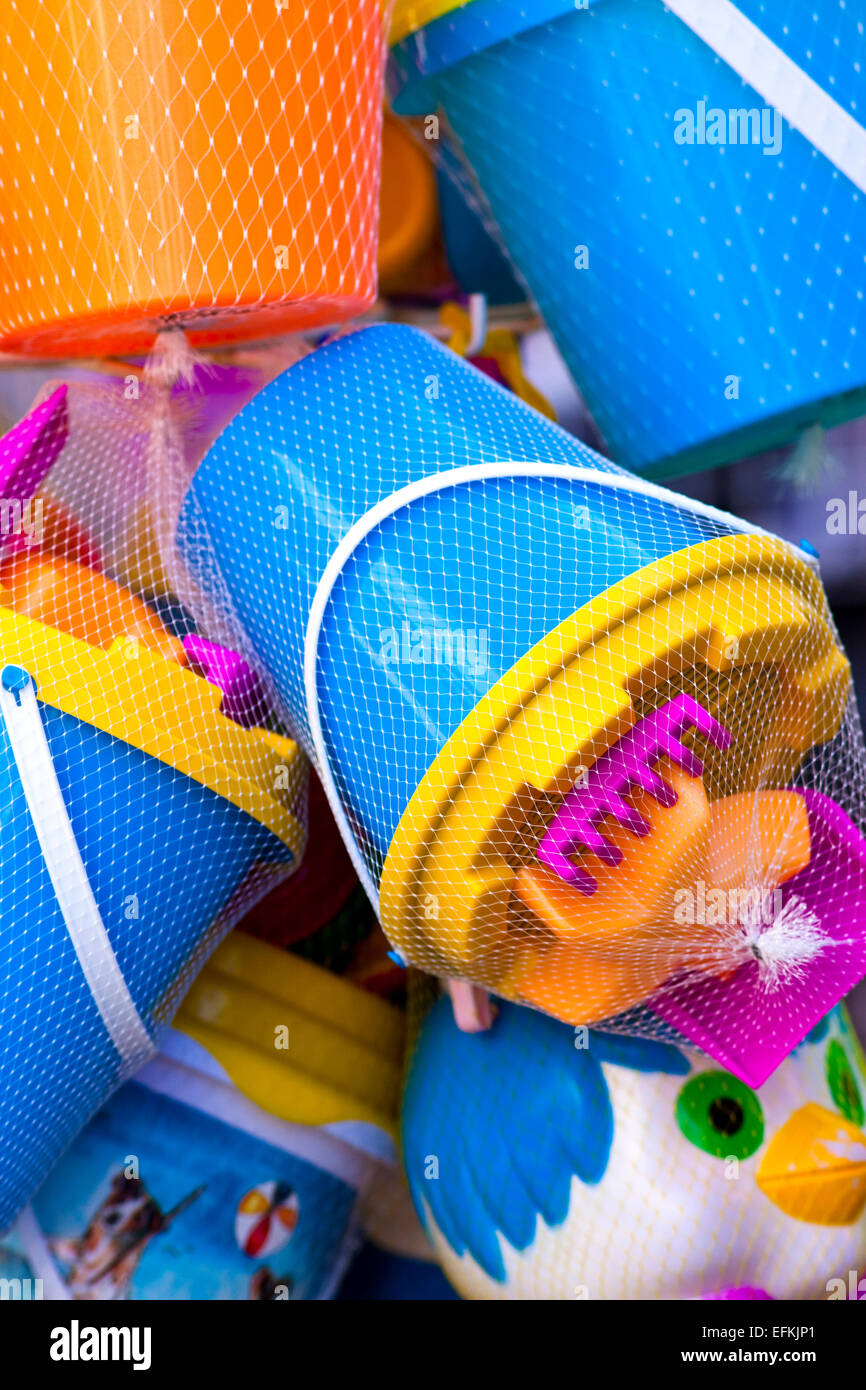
x,y
843,1085
726,1115
720,1115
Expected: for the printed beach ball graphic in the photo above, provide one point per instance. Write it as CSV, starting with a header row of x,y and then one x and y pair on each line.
x,y
266,1218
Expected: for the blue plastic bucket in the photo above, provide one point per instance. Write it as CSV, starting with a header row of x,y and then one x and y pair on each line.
x,y
477,263
162,854
382,590
705,292
224,1202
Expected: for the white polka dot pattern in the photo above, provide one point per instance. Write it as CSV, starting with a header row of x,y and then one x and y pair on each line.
x,y
699,260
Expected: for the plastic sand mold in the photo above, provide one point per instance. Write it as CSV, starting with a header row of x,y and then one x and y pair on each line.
x,y
553,1150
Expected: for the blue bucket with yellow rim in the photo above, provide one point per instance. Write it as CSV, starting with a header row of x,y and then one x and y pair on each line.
x,y
444,589
162,808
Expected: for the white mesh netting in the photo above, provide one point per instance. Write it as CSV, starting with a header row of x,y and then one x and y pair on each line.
x,y
681,187
147,804
213,163
594,746
201,164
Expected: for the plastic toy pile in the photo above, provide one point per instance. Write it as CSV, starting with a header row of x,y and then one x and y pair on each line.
x,y
434,856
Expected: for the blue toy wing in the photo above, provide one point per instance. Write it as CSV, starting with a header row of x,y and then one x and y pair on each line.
x,y
496,1125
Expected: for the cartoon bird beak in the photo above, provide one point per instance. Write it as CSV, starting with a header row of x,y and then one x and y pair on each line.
x,y
815,1168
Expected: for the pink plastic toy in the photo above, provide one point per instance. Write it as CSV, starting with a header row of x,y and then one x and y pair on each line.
x,y
627,764
741,1023
243,696
28,451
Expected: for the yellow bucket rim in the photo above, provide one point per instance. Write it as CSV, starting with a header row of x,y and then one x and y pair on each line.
x,y
449,848
149,702
410,15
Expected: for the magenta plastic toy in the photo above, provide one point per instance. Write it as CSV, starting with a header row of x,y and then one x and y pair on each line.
x,y
243,694
743,1294
741,1023
28,451
627,764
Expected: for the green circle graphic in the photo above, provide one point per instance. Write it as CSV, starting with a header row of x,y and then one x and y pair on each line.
x,y
720,1115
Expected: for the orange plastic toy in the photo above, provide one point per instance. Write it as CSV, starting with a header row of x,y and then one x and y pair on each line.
x,y
80,601
408,205
763,836
201,164
63,534
602,954
636,894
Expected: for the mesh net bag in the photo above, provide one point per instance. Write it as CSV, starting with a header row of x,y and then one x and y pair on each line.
x,y
681,188
149,800
211,163
592,746
178,174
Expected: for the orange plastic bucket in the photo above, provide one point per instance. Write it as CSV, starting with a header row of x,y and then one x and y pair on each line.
x,y
408,205
82,602
198,163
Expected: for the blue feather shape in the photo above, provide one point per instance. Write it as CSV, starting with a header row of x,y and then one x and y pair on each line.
x,y
496,1125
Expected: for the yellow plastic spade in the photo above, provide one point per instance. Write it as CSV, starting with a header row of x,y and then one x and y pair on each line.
x,y
302,1043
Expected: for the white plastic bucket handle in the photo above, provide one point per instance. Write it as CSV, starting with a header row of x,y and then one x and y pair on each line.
x,y
777,78
20,710
386,507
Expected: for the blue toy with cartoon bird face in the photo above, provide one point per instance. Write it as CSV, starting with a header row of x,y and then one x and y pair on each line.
x,y
554,1163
